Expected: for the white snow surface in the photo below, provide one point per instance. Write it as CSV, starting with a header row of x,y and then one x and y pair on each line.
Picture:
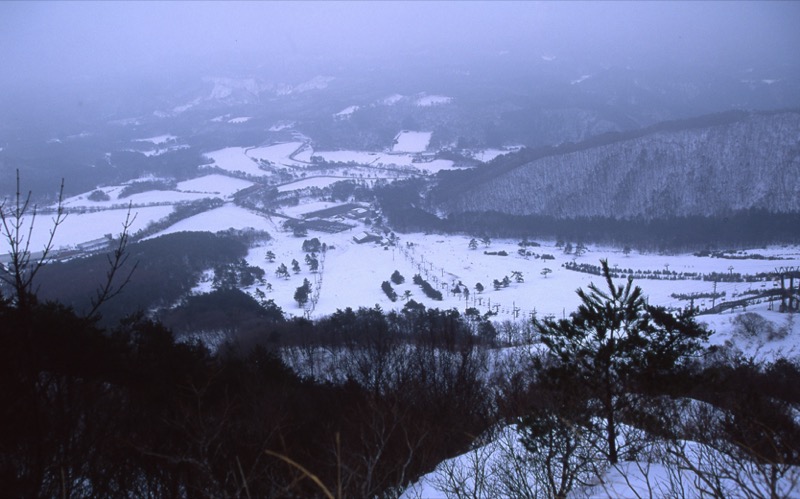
x,y
486,155
433,100
580,79
310,182
214,184
283,125
209,186
316,83
278,154
481,472
447,259
384,160
138,199
391,99
346,112
407,141
235,159
158,140
83,227
225,217
158,151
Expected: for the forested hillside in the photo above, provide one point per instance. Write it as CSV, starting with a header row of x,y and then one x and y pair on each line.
x,y
745,161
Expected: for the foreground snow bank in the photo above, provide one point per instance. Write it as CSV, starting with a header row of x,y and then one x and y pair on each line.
x,y
502,467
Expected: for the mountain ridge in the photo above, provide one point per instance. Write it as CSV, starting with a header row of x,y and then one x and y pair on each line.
x,y
708,166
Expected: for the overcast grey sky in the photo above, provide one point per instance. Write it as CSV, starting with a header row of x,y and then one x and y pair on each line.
x,y
50,41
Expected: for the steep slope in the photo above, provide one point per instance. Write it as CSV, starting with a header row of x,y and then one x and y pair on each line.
x,y
751,161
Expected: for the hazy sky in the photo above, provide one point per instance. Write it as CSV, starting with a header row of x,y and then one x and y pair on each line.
x,y
51,41
52,51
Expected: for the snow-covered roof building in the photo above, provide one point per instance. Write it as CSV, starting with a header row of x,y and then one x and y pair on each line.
x,y
366,237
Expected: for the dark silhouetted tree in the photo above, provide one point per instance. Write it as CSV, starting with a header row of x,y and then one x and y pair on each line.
x,y
615,341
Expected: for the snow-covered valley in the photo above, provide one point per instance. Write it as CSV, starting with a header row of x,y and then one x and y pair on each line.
x,y
540,276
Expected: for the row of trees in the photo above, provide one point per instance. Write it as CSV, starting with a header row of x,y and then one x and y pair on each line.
x,y
427,288
403,205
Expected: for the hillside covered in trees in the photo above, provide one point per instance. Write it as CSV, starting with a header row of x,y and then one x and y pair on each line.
x,y
716,166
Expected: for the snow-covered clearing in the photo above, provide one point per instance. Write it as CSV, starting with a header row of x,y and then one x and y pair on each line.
x,y
382,159
83,227
283,125
246,159
433,100
580,79
277,154
225,217
163,150
185,107
157,197
304,154
301,209
138,199
158,140
392,99
486,155
214,184
346,112
310,182
407,141
235,159
446,260
208,186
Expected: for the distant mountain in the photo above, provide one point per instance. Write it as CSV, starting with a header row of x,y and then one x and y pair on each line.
x,y
710,166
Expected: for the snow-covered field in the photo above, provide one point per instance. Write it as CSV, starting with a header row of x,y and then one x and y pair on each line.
x,y
158,140
310,182
246,159
444,261
277,154
303,208
162,150
383,159
83,227
235,159
214,184
391,99
225,217
208,186
486,155
283,125
346,112
433,100
407,141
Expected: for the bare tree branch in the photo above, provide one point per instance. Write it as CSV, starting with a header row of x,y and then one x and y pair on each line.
x,y
120,257
23,267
